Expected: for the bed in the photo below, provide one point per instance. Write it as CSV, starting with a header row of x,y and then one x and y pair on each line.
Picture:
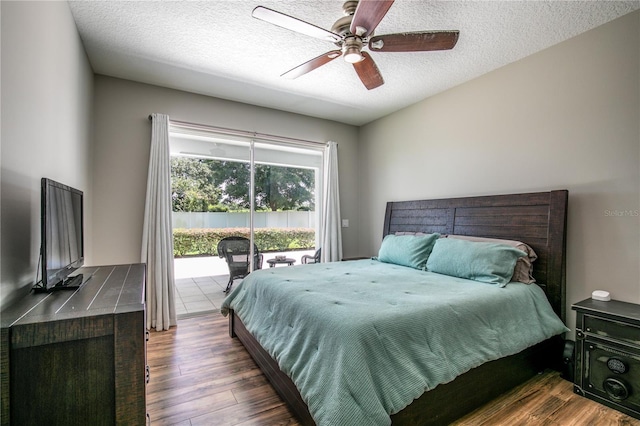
x,y
538,219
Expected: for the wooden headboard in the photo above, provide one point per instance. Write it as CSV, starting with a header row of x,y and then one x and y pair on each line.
x,y
538,219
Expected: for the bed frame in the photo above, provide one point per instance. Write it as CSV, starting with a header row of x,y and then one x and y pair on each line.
x,y
538,219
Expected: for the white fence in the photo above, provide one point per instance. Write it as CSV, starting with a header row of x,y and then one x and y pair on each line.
x,y
288,219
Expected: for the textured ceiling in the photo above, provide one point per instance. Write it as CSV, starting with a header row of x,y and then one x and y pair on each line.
x,y
216,48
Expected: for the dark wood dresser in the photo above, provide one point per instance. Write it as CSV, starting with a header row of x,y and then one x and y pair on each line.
x,y
77,357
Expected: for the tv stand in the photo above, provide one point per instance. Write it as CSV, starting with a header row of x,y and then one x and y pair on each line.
x,y
77,358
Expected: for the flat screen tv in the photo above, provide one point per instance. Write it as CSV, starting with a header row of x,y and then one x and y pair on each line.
x,y
62,231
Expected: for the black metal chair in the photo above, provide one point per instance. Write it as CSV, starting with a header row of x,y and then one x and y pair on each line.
x,y
236,251
311,259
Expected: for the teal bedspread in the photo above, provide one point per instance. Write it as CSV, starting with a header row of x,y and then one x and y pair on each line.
x,y
362,339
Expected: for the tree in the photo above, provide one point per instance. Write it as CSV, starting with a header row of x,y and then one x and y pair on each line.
x,y
233,179
198,184
276,187
193,188
284,188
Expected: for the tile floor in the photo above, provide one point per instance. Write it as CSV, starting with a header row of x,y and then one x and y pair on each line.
x,y
200,282
199,295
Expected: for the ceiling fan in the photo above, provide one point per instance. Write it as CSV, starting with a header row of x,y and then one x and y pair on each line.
x,y
355,31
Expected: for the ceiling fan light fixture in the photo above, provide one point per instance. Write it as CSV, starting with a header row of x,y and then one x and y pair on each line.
x,y
352,55
351,49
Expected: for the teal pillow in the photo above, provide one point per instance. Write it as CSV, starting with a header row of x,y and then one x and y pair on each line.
x,y
485,262
407,250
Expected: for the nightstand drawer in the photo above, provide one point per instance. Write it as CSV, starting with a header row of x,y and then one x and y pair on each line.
x,y
606,328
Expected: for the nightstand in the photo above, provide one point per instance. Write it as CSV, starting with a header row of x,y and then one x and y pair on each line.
x,y
607,357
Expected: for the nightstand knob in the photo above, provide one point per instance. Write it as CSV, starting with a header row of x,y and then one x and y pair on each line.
x,y
616,389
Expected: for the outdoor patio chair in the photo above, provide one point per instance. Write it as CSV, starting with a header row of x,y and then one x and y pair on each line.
x,y
311,259
236,251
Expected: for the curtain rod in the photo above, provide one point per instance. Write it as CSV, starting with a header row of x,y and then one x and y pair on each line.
x,y
245,133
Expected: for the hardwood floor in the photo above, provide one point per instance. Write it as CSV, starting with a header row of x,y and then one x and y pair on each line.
x,y
200,376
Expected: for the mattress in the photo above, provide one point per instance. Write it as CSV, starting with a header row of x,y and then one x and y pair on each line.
x,y
362,339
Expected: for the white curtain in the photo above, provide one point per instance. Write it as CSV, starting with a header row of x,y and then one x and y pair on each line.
x,y
330,227
157,237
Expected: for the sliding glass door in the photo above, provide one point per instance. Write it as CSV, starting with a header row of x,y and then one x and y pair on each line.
x,y
225,185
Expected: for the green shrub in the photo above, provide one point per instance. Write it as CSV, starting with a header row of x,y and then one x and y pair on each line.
x,y
204,241
217,208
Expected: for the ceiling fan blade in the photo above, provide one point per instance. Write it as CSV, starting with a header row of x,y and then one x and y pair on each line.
x,y
312,64
368,15
414,42
294,24
368,72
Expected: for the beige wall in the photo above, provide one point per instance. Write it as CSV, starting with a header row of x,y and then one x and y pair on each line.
x,y
46,100
122,137
565,118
